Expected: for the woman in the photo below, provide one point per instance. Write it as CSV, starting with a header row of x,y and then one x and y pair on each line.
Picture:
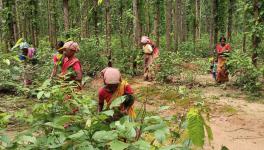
x,y
222,49
26,57
57,58
114,88
70,62
150,53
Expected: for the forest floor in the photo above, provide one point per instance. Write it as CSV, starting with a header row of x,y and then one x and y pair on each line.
x,y
236,122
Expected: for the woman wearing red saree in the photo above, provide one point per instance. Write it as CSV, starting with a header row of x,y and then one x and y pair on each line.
x,y
71,62
222,49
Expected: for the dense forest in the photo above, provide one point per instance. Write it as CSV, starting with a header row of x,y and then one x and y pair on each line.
x,y
181,108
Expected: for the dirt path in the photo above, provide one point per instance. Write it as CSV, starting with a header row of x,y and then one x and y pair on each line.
x,y
236,123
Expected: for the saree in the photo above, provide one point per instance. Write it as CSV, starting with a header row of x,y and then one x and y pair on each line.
x,y
222,73
120,91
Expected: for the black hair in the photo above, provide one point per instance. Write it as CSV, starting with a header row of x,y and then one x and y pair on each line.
x,y
222,38
60,44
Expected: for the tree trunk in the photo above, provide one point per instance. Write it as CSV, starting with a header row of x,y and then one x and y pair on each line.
x,y
51,23
183,27
108,32
244,32
211,26
177,23
230,19
121,24
9,36
136,23
255,38
147,14
84,19
66,14
216,29
95,18
197,19
168,24
157,22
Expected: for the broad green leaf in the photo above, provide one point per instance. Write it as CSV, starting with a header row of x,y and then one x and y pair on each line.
x,y
155,127
118,145
104,136
56,140
164,108
116,102
40,94
6,61
63,119
53,125
195,127
141,145
77,135
171,147
160,136
100,2
27,140
47,94
4,140
108,112
88,123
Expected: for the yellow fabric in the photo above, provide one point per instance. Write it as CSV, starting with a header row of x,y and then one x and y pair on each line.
x,y
120,91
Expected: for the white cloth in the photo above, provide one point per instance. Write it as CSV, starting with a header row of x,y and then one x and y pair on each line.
x,y
147,49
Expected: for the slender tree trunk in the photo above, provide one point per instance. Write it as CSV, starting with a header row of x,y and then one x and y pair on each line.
x,y
230,19
95,17
51,23
244,32
136,23
84,18
197,19
147,14
9,36
121,23
183,27
157,22
108,31
1,8
177,24
216,29
211,27
168,24
66,14
255,38
16,31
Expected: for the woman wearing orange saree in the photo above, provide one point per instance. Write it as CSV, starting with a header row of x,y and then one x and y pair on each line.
x,y
222,49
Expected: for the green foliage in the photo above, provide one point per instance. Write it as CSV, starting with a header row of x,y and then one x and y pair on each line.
x,y
248,76
169,66
196,125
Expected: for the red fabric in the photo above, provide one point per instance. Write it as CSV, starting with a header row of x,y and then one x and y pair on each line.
x,y
55,59
104,95
220,48
72,62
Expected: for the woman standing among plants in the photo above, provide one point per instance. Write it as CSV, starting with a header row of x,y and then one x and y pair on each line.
x,y
114,88
70,62
150,53
57,58
27,57
222,50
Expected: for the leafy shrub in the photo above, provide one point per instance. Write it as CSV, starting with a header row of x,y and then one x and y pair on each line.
x,y
168,66
248,76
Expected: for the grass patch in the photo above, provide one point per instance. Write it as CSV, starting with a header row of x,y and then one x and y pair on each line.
x,y
227,109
